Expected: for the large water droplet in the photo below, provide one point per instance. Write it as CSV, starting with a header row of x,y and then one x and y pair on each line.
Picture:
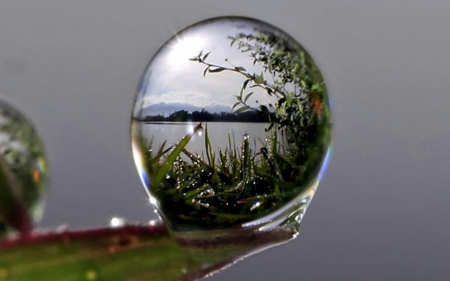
x,y
23,169
231,126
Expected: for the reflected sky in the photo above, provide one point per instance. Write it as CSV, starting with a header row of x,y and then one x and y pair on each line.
x,y
174,79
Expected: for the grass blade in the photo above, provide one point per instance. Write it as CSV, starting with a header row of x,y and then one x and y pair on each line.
x,y
161,174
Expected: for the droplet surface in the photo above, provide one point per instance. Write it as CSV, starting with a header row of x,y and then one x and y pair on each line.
x,y
231,126
23,167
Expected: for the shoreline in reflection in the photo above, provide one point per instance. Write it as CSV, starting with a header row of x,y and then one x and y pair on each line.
x,y
205,116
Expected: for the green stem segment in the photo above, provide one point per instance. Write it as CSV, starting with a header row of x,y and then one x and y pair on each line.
x,y
130,253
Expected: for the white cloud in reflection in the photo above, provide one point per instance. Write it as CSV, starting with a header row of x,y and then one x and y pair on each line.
x,y
176,79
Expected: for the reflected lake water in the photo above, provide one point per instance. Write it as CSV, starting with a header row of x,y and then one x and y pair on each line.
x,y
219,133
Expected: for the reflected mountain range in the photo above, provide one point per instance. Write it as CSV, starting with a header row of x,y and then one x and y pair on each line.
x,y
166,109
177,112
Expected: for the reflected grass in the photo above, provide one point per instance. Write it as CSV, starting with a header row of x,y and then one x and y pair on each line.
x,y
224,187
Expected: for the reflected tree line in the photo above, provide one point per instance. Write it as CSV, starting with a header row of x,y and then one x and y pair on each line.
x,y
205,116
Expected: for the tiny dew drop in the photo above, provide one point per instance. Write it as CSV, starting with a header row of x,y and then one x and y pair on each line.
x,y
231,126
117,222
23,180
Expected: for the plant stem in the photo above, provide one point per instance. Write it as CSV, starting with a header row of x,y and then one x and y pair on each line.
x,y
132,252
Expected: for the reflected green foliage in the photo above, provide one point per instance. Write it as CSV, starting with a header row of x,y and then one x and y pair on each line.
x,y
235,185
23,173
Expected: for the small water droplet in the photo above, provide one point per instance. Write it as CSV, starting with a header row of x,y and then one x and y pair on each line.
x,y
228,76
199,132
23,163
117,222
255,205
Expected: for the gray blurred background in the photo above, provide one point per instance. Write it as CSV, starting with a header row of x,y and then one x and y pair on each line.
x,y
382,211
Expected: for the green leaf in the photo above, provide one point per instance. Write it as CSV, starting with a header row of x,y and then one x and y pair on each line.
x,y
216,70
193,157
161,150
244,85
236,104
247,96
239,68
189,195
232,40
259,79
303,83
160,153
206,56
209,150
205,71
161,174
241,109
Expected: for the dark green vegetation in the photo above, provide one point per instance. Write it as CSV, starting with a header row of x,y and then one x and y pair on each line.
x,y
205,116
233,185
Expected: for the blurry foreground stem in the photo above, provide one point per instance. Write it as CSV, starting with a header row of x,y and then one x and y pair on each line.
x,y
132,252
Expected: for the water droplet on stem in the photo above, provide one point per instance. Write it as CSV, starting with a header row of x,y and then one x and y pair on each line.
x,y
23,172
260,105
